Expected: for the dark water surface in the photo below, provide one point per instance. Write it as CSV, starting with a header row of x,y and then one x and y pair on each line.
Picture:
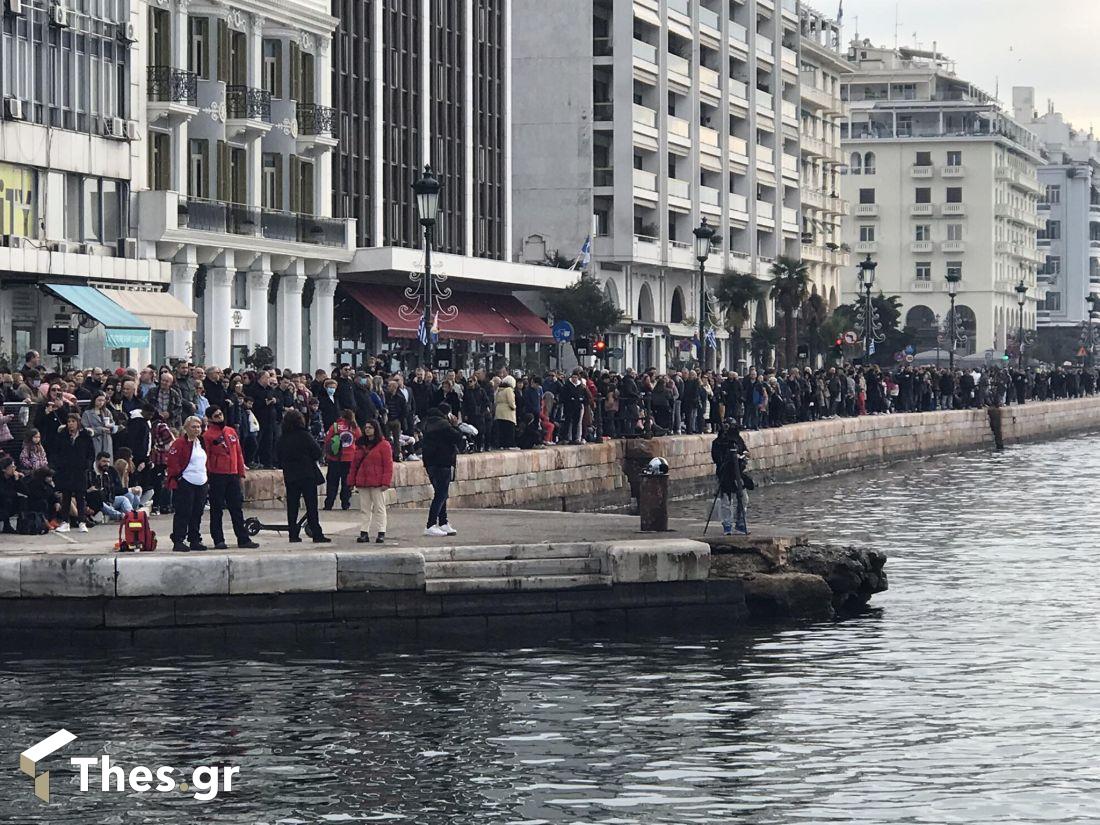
x,y
970,693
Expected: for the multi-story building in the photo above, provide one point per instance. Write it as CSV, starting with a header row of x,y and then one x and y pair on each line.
x,y
428,82
941,182
69,156
1069,209
237,137
823,66
635,121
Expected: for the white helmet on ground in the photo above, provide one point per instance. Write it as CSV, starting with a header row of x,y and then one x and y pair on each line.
x,y
657,467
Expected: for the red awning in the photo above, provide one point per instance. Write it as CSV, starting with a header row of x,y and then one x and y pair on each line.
x,y
481,316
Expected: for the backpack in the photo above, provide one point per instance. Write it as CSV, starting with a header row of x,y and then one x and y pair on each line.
x,y
135,535
31,524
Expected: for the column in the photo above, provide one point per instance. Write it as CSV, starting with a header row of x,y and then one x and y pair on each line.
x,y
180,35
259,278
378,119
426,66
217,301
506,104
181,159
180,344
322,167
469,112
288,314
256,174
322,346
255,52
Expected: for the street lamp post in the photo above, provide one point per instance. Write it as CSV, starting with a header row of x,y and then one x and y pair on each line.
x,y
867,281
1090,335
1021,299
953,279
704,236
426,188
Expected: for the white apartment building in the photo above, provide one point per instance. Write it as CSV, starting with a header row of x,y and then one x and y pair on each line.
x,y
632,122
70,153
1069,208
823,66
941,181
236,141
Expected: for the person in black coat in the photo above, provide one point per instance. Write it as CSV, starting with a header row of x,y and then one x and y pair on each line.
x,y
365,410
213,388
298,455
440,446
72,457
326,403
267,408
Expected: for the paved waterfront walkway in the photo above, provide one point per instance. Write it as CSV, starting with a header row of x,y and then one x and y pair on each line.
x,y
406,528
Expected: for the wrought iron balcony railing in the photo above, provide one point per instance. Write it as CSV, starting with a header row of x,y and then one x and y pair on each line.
x,y
315,119
244,102
171,85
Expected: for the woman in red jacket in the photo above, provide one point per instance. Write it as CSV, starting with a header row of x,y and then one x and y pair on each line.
x,y
340,443
372,473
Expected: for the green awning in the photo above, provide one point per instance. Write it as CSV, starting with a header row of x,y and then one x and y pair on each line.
x,y
124,329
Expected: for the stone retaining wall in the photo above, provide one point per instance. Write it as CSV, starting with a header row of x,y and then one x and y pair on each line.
x,y
593,476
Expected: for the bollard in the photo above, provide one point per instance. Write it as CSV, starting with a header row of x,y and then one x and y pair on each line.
x,y
653,502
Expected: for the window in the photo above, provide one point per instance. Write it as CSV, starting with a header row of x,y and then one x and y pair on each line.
x,y
160,161
1053,302
954,232
95,209
869,163
1054,230
856,164
923,159
867,233
240,290
1053,194
923,232
1053,265
924,271
273,68
954,158
198,29
272,181
954,194
198,183
954,269
866,195
923,194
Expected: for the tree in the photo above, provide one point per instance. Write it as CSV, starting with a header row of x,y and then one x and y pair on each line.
x,y
736,292
790,285
765,338
585,306
814,314
260,358
895,337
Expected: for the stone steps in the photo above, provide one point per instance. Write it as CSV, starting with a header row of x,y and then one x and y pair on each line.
x,y
506,552
513,568
505,584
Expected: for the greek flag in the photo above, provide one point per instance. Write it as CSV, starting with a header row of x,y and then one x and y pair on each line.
x,y
712,338
871,349
584,258
422,332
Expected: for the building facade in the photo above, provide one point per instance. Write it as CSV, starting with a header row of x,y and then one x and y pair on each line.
x,y
1069,209
634,122
237,138
941,182
70,156
823,66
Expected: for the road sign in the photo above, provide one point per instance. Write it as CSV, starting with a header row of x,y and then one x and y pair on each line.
x,y
563,332
899,356
908,359
850,337
615,352
909,350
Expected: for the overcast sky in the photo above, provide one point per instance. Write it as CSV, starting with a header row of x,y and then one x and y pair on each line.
x,y
1053,45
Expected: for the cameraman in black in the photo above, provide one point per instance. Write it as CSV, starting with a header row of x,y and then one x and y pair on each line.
x,y
730,455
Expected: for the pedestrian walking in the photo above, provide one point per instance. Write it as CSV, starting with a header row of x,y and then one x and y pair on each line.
x,y
298,455
372,475
188,479
226,468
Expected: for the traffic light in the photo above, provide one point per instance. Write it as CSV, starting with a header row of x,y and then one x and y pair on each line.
x,y
600,348
582,346
838,347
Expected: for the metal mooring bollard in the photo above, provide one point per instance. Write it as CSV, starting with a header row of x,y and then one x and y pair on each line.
x,y
653,502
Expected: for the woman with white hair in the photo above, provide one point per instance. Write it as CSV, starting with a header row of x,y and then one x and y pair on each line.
x,y
188,479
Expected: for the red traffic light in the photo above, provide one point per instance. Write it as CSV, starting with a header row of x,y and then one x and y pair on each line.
x,y
600,346
840,342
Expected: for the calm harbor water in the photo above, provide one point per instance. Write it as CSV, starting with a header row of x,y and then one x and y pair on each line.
x,y
969,693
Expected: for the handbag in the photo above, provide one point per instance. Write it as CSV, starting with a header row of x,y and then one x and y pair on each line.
x,y
318,476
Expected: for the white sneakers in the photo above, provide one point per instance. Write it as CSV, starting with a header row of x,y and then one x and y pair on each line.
x,y
444,530
63,527
83,527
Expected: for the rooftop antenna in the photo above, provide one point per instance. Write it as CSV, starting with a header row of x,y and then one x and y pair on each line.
x,y
897,25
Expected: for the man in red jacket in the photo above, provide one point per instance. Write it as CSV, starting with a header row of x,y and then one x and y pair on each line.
x,y
225,469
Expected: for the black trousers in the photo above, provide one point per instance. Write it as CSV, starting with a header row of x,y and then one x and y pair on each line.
x,y
266,447
295,491
337,476
506,434
440,478
67,497
188,502
226,494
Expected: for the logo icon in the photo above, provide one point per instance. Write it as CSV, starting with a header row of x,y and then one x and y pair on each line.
x,y
29,759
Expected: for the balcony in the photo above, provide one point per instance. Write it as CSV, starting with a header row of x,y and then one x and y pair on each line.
x,y
603,176
601,47
708,79
603,111
679,188
865,210
866,247
739,148
1094,207
837,205
764,103
764,162
952,172
815,146
790,219
922,171
644,116
764,47
314,119
815,98
917,246
708,196
921,285
645,181
922,210
789,165
679,66
789,112
813,198
173,94
645,52
739,36
739,92
679,131
709,19
738,206
950,210
765,211
708,140
789,58
953,246
1019,179
247,110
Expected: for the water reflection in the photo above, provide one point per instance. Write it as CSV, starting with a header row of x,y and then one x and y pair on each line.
x,y
968,693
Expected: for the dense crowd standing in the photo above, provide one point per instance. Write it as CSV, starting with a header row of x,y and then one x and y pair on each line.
x,y
93,443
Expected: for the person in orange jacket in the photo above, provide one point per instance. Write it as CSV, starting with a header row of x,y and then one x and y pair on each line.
x,y
339,447
372,474
225,468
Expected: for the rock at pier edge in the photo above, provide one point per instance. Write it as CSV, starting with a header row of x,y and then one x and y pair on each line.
x,y
788,577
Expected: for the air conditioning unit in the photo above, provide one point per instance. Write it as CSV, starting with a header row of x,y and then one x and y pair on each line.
x,y
114,127
64,246
13,108
15,241
14,6
132,130
59,15
127,32
128,247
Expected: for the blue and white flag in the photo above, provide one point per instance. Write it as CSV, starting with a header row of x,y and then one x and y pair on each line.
x,y
422,331
584,258
712,338
871,349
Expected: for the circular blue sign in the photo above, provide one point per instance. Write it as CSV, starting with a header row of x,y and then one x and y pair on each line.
x,y
563,332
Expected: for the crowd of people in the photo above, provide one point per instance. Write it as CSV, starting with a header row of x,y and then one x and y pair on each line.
x,y
83,446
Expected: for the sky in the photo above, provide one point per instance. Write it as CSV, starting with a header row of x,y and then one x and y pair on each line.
x,y
1051,45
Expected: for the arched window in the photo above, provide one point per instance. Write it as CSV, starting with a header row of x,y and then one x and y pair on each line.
x,y
645,304
922,322
869,163
968,325
611,292
676,312
856,165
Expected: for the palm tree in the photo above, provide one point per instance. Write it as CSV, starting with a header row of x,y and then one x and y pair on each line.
x,y
764,340
789,287
814,313
736,292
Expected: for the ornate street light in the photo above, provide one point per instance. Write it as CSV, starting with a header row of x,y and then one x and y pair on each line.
x,y
704,237
427,289
953,279
1090,333
867,318
1021,299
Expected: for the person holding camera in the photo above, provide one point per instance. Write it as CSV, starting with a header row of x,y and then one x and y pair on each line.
x,y
730,456
225,468
440,447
